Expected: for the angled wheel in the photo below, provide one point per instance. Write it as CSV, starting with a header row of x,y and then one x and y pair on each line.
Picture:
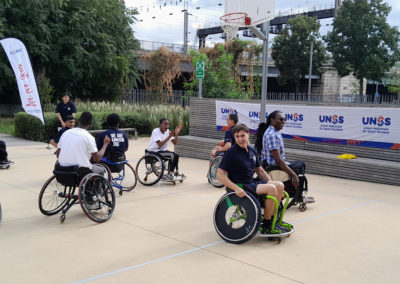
x,y
212,172
107,171
53,197
236,219
149,169
128,178
96,198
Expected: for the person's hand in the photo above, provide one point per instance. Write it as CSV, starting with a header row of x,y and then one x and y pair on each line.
x,y
218,148
295,181
178,128
172,133
107,140
240,192
63,124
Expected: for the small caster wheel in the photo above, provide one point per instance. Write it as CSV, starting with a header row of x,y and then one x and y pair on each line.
x,y
173,183
62,218
181,181
120,193
302,207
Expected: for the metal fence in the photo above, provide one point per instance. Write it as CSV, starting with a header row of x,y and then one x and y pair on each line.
x,y
142,96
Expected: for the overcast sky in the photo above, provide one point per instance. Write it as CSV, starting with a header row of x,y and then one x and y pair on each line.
x,y
162,20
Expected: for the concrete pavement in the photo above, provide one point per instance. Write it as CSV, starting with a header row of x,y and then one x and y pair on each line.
x,y
165,233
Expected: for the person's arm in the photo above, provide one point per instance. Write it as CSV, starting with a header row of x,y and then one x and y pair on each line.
x,y
176,133
60,119
281,163
161,143
262,174
98,155
222,177
52,142
224,148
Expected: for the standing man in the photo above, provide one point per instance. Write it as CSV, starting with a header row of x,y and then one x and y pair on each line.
x,y
64,109
77,146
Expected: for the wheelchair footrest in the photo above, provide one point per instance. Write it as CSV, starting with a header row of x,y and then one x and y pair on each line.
x,y
277,235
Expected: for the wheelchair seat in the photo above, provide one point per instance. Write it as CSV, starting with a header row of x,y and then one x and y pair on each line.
x,y
70,175
115,161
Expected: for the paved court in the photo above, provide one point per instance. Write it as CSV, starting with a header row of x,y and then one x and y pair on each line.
x,y
165,233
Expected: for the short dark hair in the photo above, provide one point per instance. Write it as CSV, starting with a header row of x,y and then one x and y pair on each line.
x,y
271,116
234,117
66,94
113,120
69,117
163,119
85,119
240,127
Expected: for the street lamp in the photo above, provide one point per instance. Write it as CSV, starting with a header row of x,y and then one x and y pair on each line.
x,y
310,68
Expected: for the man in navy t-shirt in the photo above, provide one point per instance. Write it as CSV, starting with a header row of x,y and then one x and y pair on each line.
x,y
119,139
229,140
238,166
69,123
64,109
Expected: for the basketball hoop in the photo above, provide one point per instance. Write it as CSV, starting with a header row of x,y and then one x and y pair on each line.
x,y
230,23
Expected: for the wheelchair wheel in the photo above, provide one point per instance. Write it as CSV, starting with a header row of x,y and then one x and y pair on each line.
x,y
96,198
129,178
212,172
107,171
150,169
236,219
53,197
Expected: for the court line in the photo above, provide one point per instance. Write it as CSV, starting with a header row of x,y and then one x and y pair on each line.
x,y
333,212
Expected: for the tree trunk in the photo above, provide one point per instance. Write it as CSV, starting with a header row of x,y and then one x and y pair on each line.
x,y
361,89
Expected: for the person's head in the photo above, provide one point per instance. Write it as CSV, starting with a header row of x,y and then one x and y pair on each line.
x,y
164,124
113,120
70,121
276,119
85,120
241,134
232,119
65,98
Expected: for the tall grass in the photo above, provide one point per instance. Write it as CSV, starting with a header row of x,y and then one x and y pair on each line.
x,y
153,113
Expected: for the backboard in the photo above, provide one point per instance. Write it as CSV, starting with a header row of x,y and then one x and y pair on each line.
x,y
259,11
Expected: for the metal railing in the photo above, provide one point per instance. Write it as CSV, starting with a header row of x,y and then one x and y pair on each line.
x,y
154,45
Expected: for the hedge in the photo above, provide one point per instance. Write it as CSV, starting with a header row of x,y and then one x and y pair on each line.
x,y
30,127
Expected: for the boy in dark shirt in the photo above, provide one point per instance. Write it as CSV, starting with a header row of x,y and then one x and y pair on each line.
x,y
69,123
64,109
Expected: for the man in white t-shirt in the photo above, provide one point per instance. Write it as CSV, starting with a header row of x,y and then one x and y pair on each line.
x,y
77,146
159,143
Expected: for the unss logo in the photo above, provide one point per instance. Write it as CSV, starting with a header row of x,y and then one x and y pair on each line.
x,y
379,121
294,117
334,119
228,110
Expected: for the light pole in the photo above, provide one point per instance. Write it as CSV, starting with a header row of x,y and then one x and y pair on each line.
x,y
310,69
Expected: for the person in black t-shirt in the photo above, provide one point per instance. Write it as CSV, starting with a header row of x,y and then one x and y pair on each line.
x,y
69,123
119,139
65,108
229,140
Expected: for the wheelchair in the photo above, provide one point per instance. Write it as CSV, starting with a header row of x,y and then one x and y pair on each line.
x,y
298,196
120,173
151,168
212,170
95,193
237,220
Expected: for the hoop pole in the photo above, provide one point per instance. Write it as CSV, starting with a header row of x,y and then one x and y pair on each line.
x,y
265,31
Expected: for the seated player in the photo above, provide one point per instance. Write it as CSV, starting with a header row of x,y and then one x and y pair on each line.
x,y
238,166
77,146
229,140
159,143
69,123
3,154
115,151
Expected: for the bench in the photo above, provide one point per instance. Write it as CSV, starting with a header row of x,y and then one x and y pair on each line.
x,y
372,164
127,130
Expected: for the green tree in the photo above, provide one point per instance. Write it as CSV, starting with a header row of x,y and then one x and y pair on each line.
x,y
86,47
291,50
362,43
393,79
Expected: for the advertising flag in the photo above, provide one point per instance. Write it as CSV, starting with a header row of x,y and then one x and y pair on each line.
x,y
21,65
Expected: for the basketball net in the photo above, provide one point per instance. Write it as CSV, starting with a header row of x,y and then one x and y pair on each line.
x,y
230,23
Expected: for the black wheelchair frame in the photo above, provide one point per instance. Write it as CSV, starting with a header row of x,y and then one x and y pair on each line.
x,y
95,194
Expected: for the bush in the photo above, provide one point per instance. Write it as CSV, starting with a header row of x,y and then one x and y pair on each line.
x,y
30,127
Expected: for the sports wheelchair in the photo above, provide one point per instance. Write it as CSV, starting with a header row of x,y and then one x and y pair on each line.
x,y
237,220
151,168
212,170
299,195
120,173
95,193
